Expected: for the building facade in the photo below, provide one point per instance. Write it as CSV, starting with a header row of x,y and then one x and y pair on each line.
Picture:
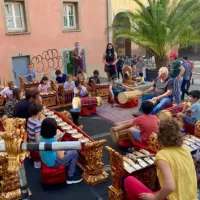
x,y
123,47
44,32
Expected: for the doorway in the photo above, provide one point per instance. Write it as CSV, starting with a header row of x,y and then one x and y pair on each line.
x,y
20,67
69,63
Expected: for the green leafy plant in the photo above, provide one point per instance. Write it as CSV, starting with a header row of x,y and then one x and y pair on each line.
x,y
160,27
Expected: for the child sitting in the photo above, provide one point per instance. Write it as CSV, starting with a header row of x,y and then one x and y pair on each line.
x,y
33,123
82,76
134,72
44,85
80,90
116,87
192,114
94,78
60,77
69,84
58,158
142,126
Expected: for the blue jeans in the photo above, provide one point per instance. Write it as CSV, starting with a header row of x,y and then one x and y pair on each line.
x,y
70,158
177,90
162,103
190,120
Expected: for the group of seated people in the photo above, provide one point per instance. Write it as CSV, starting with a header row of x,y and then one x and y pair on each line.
x,y
41,129
69,83
174,163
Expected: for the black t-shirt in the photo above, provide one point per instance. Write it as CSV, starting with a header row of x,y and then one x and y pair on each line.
x,y
162,87
95,78
21,109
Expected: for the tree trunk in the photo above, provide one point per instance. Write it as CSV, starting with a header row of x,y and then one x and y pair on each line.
x,y
161,62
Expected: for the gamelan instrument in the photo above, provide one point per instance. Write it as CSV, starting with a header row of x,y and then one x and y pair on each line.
x,y
192,142
120,134
124,97
86,102
172,111
138,160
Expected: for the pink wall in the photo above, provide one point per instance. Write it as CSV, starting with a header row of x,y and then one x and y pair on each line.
x,y
46,33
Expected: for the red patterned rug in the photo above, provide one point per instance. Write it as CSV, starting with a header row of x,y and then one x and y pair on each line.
x,y
115,114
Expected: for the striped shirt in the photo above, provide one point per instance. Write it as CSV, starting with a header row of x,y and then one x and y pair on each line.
x,y
33,127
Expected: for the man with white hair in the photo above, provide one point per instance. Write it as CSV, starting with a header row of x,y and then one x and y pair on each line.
x,y
160,92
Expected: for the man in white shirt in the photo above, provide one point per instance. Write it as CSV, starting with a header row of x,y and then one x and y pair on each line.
x,y
8,91
79,90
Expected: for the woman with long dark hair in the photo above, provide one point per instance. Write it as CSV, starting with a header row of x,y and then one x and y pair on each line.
x,y
110,60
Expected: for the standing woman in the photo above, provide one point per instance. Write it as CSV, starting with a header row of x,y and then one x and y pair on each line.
x,y
110,60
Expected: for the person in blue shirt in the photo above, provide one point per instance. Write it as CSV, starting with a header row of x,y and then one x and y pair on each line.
x,y
192,114
30,74
60,77
58,158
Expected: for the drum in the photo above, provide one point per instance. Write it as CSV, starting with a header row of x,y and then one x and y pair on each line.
x,y
172,111
124,97
120,135
164,115
86,102
176,109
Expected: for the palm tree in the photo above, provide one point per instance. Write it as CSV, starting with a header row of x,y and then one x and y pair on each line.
x,y
161,26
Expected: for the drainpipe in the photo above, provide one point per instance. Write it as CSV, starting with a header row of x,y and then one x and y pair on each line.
x,y
109,19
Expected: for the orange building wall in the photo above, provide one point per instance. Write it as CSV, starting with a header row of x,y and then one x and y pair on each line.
x,y
46,33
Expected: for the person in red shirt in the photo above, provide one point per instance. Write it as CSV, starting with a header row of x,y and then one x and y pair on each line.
x,y
142,126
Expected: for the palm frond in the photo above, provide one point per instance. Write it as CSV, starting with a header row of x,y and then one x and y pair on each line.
x,y
164,24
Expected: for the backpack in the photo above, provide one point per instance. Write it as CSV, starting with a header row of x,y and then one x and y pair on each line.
x,y
192,65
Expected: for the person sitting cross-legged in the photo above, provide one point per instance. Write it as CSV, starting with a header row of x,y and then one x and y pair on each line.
x,y
94,78
54,159
80,90
116,87
142,126
162,89
69,84
192,114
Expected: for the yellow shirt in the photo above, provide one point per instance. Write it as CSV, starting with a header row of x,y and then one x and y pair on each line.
x,y
183,170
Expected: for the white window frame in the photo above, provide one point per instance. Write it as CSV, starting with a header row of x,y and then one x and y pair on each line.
x,y
65,5
14,17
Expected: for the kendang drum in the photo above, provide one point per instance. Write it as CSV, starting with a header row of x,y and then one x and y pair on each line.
x,y
164,115
119,135
86,102
124,97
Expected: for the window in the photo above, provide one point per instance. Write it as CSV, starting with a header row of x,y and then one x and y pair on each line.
x,y
15,17
69,15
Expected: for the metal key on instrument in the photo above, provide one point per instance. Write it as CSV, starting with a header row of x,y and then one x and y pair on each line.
x,y
128,167
153,158
144,152
148,160
142,163
194,146
190,140
187,142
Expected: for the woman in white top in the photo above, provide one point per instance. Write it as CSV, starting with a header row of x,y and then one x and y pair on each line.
x,y
69,84
80,90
